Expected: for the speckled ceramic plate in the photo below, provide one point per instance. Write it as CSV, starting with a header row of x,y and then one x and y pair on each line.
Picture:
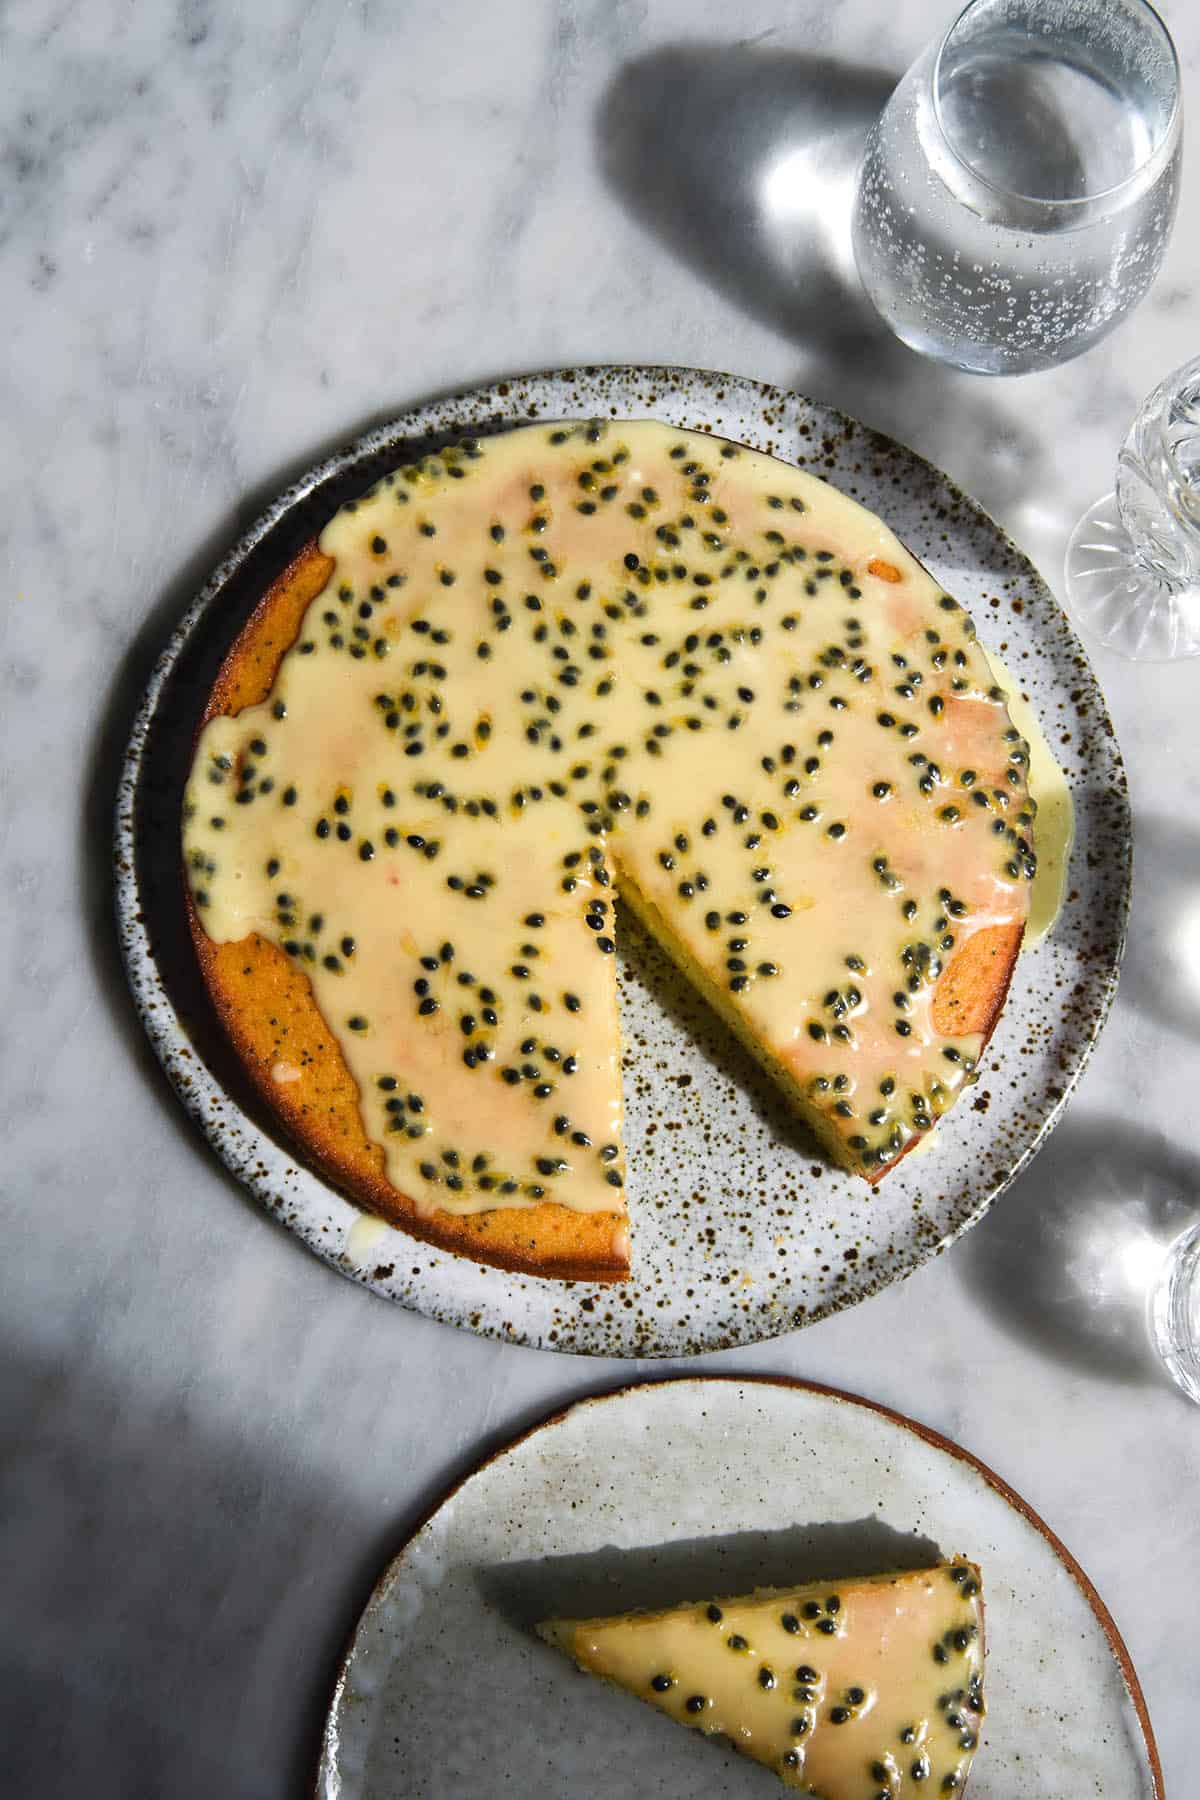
x,y
675,1491
740,1231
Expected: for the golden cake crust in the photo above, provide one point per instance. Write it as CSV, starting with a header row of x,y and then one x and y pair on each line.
x,y
266,1006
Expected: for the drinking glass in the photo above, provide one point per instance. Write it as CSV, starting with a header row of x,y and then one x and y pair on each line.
x,y
1175,1311
1016,196
1133,563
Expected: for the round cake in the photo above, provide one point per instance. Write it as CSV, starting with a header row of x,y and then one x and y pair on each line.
x,y
545,668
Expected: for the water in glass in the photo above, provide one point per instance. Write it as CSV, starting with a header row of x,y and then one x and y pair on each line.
x,y
1017,194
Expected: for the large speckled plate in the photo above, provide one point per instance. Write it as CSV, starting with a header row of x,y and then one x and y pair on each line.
x,y
740,1230
676,1491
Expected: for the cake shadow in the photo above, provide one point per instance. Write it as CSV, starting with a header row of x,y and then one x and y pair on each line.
x,y
614,1579
1065,1263
645,962
741,160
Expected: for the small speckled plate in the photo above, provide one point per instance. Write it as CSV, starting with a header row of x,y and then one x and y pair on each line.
x,y
679,1490
740,1231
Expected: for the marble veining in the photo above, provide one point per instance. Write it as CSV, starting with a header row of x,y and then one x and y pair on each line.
x,y
232,238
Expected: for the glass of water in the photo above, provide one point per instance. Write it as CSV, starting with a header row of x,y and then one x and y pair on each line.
x,y
1016,196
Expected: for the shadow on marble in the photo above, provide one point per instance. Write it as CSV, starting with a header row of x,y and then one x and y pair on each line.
x,y
1065,1260
181,1587
614,1580
1160,976
741,159
159,1625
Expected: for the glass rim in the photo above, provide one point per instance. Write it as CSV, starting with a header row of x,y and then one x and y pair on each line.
x,y
1170,131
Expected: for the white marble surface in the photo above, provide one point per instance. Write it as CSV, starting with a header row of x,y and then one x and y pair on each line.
x,y
231,236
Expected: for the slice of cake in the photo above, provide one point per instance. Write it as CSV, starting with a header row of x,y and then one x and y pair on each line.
x,y
862,1689
543,668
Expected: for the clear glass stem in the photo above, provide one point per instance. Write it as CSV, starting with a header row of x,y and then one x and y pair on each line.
x,y
1133,565
1175,1312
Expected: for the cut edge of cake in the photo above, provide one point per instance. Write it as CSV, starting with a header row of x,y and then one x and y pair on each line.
x,y
543,1240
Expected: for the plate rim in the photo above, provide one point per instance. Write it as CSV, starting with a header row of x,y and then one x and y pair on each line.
x,y
135,938
326,1781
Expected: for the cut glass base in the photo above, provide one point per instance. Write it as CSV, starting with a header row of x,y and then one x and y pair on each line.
x,y
1117,599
